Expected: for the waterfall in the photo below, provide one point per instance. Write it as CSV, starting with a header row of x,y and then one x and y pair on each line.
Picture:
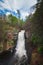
x,y
20,48
19,56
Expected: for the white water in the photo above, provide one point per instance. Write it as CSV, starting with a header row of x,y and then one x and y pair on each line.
x,y
20,48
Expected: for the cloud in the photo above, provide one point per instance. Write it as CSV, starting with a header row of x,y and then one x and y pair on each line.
x,y
22,5
24,14
5,4
18,4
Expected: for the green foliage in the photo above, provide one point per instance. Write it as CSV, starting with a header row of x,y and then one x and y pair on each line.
x,y
10,42
37,24
37,39
13,20
1,30
21,23
5,25
40,50
34,39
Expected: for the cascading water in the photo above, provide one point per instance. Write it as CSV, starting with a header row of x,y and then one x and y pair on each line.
x,y
19,56
20,48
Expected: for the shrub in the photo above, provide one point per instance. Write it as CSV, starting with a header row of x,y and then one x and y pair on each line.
x,y
40,50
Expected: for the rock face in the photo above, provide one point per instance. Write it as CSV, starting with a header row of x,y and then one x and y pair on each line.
x,y
23,50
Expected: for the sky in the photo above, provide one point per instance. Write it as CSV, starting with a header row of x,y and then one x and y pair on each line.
x,y
23,5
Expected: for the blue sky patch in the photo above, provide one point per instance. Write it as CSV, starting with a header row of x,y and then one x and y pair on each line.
x,y
2,1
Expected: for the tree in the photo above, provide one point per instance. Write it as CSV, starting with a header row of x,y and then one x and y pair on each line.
x,y
13,20
18,14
